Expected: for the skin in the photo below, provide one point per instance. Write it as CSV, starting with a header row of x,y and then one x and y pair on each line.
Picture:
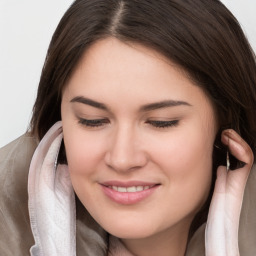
x,y
127,144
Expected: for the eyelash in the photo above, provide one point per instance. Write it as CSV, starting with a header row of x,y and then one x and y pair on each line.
x,y
94,123
163,124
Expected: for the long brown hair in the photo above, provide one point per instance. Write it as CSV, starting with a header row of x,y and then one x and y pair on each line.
x,y
202,37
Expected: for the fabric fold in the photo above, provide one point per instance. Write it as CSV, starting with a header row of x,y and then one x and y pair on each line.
x,y
51,200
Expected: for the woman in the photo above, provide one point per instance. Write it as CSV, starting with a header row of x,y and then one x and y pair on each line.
x,y
155,98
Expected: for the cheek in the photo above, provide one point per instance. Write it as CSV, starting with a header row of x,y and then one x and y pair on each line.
x,y
84,156
183,150
84,152
186,159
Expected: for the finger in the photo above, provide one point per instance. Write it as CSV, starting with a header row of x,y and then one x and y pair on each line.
x,y
237,146
240,149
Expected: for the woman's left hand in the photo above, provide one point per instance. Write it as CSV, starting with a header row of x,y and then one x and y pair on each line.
x,y
221,236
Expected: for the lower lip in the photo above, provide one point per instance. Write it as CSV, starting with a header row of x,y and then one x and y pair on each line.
x,y
128,198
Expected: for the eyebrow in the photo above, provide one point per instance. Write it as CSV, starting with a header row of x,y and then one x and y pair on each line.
x,y
90,102
144,108
163,104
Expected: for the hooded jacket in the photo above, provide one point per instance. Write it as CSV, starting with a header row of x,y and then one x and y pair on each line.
x,y
91,240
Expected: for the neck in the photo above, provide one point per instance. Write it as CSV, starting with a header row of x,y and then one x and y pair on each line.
x,y
168,242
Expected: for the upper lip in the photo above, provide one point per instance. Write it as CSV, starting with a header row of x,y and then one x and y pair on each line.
x,y
128,183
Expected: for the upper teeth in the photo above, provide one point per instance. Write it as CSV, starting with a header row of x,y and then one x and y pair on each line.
x,y
129,189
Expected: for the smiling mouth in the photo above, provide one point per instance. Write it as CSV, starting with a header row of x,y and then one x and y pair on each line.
x,y
131,189
127,194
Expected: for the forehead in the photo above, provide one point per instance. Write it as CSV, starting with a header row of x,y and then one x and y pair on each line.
x,y
113,69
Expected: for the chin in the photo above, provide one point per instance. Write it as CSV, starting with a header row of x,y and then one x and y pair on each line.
x,y
131,233
130,229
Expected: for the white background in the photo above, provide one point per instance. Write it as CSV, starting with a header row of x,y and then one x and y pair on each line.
x,y
26,27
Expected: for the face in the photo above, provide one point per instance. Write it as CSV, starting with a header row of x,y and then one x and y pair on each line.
x,y
139,138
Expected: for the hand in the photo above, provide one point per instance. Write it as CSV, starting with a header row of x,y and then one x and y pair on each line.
x,y
221,237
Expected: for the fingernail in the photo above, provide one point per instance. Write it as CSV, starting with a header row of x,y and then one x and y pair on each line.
x,y
231,134
225,138
226,133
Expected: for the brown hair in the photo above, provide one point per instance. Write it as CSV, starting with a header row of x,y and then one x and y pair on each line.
x,y
200,36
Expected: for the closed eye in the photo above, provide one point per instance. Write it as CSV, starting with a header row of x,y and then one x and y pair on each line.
x,y
163,124
93,123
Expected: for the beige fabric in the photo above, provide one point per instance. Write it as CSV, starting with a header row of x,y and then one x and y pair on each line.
x,y
247,227
15,233
116,248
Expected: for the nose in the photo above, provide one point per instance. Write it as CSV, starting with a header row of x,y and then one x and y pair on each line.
x,y
125,151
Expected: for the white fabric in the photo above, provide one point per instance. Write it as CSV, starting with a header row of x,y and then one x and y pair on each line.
x,y
51,200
